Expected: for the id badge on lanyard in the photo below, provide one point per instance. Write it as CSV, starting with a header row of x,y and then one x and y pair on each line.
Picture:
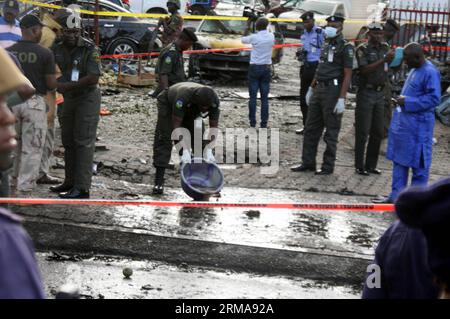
x,y
331,54
75,72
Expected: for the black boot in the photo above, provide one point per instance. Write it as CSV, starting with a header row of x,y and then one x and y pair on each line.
x,y
158,188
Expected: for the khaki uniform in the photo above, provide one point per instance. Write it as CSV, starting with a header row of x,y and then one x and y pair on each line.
x,y
336,55
31,127
81,112
370,104
176,101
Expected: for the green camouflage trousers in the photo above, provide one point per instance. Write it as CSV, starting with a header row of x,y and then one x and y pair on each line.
x,y
31,128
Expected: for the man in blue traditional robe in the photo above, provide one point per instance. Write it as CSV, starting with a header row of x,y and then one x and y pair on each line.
x,y
410,140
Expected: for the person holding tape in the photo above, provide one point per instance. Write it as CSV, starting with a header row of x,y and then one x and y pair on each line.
x,y
312,40
79,61
373,61
327,105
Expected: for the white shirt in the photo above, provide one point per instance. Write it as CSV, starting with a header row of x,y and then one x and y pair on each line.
x,y
262,43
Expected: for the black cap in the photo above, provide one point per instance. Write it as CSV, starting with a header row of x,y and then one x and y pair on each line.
x,y
189,34
336,18
375,26
308,15
11,6
428,208
29,21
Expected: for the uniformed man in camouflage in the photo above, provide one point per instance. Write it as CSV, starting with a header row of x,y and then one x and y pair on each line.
x,y
373,61
170,66
79,61
181,106
327,105
38,65
172,25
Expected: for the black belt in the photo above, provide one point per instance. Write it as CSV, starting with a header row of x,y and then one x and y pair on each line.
x,y
329,82
377,88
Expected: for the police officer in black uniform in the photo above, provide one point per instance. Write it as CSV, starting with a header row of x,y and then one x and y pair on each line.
x,y
170,65
327,105
308,54
181,106
79,61
373,61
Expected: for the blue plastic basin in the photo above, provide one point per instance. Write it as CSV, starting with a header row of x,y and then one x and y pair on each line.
x,y
201,179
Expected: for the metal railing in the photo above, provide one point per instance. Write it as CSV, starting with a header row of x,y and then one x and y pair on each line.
x,y
428,24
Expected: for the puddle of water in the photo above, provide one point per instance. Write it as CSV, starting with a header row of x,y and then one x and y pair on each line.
x,y
355,232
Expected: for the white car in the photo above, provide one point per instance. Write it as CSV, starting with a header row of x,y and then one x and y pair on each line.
x,y
233,8
360,13
154,6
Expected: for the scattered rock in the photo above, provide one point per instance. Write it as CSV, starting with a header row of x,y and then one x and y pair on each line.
x,y
253,213
127,272
147,287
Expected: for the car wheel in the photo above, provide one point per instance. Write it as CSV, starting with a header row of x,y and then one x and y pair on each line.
x,y
123,46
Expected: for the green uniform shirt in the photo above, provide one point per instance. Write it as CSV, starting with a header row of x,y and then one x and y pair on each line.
x,y
336,55
179,97
85,57
368,54
170,63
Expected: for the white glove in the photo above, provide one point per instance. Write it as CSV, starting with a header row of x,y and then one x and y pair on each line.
x,y
340,106
309,95
209,157
186,157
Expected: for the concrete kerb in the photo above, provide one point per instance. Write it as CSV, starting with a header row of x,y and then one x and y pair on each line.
x,y
334,267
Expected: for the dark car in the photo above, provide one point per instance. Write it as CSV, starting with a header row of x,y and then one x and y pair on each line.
x,y
118,35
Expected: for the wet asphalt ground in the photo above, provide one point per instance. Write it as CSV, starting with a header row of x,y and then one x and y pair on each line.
x,y
102,277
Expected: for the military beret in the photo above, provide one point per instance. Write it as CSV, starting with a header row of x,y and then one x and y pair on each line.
x,y
307,16
336,18
189,34
375,26
428,208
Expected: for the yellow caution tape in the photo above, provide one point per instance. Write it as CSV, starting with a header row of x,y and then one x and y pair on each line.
x,y
158,15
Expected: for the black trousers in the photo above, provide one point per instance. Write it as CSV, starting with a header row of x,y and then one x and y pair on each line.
x,y
307,73
369,126
321,116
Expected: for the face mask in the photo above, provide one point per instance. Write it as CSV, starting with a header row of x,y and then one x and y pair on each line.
x,y
330,32
204,114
